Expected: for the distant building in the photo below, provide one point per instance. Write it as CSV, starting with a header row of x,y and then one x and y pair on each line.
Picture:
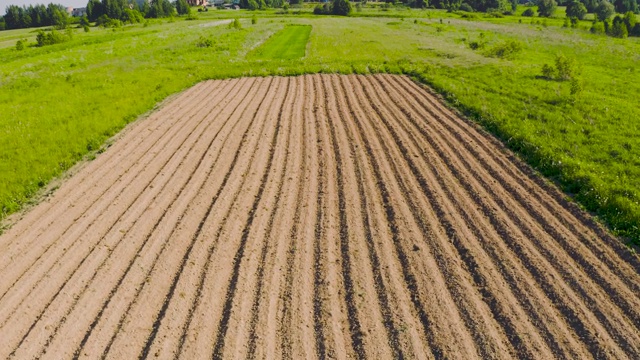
x,y
197,2
78,12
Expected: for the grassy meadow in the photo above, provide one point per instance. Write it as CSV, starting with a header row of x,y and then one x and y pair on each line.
x,y
59,103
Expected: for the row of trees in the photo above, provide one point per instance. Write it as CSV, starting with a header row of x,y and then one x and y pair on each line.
x,y
124,9
579,8
17,17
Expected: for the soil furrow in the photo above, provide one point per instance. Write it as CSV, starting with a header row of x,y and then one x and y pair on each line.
x,y
531,232
160,272
312,217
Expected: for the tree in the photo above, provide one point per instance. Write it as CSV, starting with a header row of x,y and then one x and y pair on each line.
x,y
341,7
619,29
576,9
604,10
630,21
624,6
546,8
182,7
591,5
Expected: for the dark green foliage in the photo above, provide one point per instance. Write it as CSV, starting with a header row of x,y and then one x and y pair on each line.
x,y
254,20
249,4
623,6
94,10
604,10
619,28
591,5
546,8
182,7
324,9
341,7
160,9
529,12
498,6
576,9
17,17
466,7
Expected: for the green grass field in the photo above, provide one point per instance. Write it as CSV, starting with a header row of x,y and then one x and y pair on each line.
x,y
61,102
288,44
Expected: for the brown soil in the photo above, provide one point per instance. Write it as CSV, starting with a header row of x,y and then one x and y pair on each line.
x,y
312,217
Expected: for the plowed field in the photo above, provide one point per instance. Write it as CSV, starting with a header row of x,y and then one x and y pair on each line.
x,y
312,217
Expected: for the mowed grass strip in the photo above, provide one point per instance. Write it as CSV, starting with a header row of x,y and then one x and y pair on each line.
x,y
287,44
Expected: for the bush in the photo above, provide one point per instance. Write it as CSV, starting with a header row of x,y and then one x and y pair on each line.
x,y
466,7
132,16
635,31
86,28
505,50
529,13
619,28
53,37
576,9
20,44
204,42
566,68
630,21
604,10
597,28
341,7
546,8
548,71
322,9
235,24
254,20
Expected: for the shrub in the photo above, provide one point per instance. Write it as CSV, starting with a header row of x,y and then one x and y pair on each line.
x,y
322,9
86,28
630,21
636,30
254,20
604,10
54,37
20,44
576,9
619,28
529,12
566,68
341,7
84,21
597,28
204,42
235,24
466,7
548,71
575,87
505,50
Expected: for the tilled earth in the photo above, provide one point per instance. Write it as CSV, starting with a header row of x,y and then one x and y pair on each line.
x,y
307,217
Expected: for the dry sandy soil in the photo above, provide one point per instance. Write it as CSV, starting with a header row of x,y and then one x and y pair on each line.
x,y
312,217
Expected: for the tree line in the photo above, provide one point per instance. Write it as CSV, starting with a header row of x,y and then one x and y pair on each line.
x,y
128,11
17,17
